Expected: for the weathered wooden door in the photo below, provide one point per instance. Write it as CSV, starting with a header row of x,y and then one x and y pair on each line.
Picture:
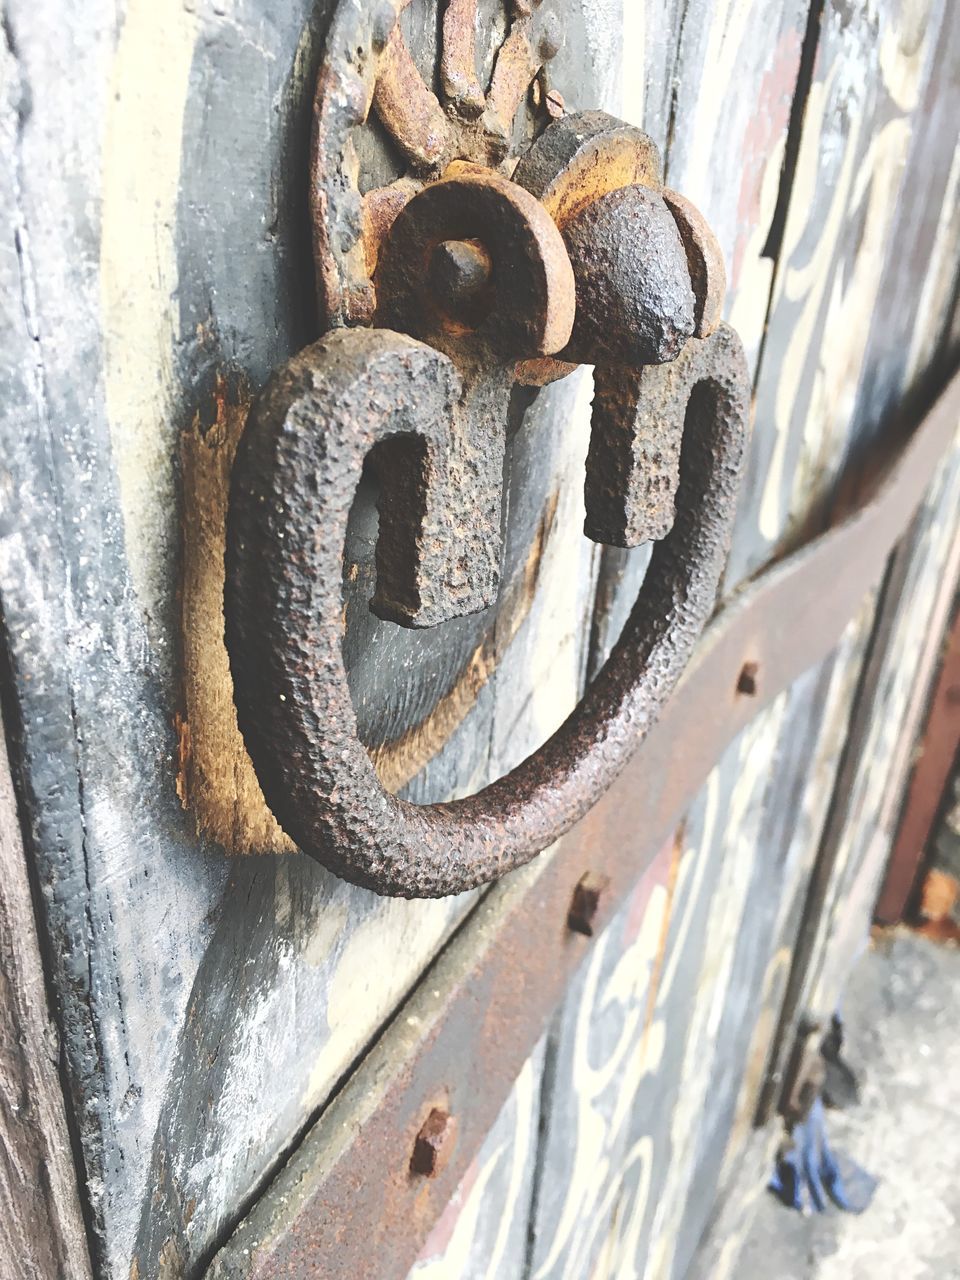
x,y
239,1049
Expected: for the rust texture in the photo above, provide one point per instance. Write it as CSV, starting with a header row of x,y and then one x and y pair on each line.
x,y
708,275
575,162
506,289
529,307
458,68
583,157
410,111
296,471
554,103
634,297
346,1203
469,275
532,41
639,420
434,1144
368,66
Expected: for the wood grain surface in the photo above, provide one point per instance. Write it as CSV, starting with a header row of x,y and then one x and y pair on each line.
x,y
42,1235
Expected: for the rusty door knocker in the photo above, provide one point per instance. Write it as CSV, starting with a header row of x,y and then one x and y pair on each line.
x,y
475,270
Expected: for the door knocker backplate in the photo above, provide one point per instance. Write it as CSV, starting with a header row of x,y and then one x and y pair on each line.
x,y
485,264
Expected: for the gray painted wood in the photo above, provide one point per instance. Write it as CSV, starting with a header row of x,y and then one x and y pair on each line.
x,y
42,1232
911,347
605,1040
627,1140
807,750
911,623
42,1235
866,96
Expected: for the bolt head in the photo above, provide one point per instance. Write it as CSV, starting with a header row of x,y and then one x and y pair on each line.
x,y
459,273
434,1144
747,683
586,902
556,107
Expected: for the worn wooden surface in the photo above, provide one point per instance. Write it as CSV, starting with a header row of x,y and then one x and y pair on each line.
x,y
728,156
813,733
912,345
42,1234
208,1006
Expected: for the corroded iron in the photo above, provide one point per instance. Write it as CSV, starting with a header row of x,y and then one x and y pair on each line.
x,y
434,1144
367,65
477,268
641,418
297,468
634,297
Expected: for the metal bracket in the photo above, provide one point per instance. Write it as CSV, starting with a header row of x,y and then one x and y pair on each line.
x,y
477,269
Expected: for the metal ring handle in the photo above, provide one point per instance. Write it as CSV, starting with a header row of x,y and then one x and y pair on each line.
x,y
296,471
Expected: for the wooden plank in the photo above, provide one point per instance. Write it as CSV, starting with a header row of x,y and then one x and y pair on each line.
x,y
864,102
729,73
626,1038
912,330
814,728
42,1235
817,749
598,1059
857,842
933,758
42,1231
804,741
729,1225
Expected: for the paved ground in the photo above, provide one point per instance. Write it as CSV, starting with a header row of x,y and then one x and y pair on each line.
x,y
902,1026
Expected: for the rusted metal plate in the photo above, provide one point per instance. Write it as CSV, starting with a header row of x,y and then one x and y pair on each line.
x,y
347,1203
935,758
